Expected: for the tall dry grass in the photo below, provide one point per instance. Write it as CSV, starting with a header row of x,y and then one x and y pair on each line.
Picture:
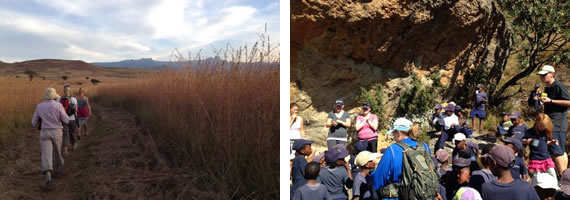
x,y
219,117
18,100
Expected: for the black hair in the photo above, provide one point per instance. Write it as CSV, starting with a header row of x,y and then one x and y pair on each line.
x,y
312,170
293,105
485,150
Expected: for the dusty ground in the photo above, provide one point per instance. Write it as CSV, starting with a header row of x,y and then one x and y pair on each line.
x,y
117,160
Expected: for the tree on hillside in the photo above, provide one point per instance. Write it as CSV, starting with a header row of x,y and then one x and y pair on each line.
x,y
64,77
31,74
541,35
95,81
87,78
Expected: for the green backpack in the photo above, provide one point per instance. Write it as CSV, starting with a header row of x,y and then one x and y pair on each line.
x,y
419,179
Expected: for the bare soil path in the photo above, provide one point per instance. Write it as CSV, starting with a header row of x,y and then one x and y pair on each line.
x,y
117,160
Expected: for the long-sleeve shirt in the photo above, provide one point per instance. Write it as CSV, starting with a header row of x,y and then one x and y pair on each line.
x,y
449,120
389,169
51,113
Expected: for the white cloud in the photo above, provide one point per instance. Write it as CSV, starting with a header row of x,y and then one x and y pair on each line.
x,y
105,30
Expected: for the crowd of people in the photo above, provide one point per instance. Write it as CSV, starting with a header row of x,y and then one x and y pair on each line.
x,y
62,120
408,169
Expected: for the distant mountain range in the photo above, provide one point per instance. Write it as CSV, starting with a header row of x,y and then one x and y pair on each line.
x,y
145,63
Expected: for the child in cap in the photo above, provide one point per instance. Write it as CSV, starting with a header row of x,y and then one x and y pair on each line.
x,y
459,176
479,177
539,138
302,148
336,176
505,187
504,125
564,193
519,170
442,158
359,146
519,128
320,158
313,189
465,149
437,117
362,188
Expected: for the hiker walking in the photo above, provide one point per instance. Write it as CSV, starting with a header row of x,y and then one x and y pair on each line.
x,y
556,105
338,122
69,103
83,112
49,116
403,160
366,125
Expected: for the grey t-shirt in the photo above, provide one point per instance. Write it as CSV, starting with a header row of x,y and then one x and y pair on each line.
x,y
558,114
335,179
480,105
310,192
339,131
363,187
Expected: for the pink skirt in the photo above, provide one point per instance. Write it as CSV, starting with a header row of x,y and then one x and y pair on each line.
x,y
540,165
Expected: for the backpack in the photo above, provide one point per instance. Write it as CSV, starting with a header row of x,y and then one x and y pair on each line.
x,y
67,105
419,179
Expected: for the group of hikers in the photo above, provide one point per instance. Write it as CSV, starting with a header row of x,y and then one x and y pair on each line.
x,y
62,120
408,169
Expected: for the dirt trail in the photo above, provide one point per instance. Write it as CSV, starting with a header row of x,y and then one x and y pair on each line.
x,y
117,160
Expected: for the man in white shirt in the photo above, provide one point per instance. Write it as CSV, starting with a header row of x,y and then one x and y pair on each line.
x,y
450,127
69,130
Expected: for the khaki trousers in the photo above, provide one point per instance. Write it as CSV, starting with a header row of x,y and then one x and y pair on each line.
x,y
50,145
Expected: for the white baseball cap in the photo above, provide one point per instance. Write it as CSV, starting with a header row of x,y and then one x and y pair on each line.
x,y
546,69
459,137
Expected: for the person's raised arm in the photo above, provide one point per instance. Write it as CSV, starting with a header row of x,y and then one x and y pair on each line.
x,y
345,123
359,123
330,123
373,123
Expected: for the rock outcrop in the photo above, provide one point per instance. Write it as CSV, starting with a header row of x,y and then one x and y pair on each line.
x,y
338,46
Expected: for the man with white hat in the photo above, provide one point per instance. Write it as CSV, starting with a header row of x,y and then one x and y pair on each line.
x,y
556,104
466,150
49,116
362,187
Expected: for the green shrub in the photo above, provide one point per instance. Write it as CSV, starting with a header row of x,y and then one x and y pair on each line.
x,y
416,103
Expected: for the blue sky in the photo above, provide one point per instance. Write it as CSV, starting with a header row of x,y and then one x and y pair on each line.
x,y
112,30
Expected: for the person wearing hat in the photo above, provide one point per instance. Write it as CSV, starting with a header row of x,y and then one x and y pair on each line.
x,y
362,188
302,148
459,177
564,193
338,122
359,146
556,105
518,129
505,187
480,177
389,170
336,176
534,102
437,117
519,169
49,116
504,125
366,125
313,190
478,110
450,126
442,158
465,149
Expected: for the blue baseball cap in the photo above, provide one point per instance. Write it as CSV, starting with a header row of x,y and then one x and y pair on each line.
x,y
336,152
516,142
437,106
298,145
457,108
515,114
361,145
401,124
366,105
339,102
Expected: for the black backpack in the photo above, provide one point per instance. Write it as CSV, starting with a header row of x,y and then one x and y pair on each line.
x,y
67,105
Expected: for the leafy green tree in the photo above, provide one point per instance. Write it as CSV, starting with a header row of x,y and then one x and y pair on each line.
x,y
31,74
541,35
